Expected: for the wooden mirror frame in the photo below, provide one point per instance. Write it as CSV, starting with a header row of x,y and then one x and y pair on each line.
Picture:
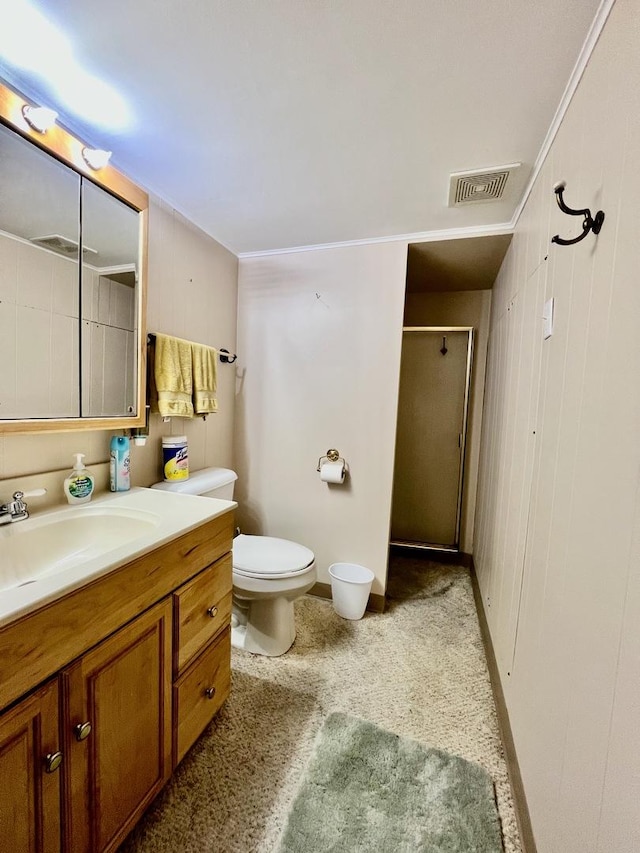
x,y
64,147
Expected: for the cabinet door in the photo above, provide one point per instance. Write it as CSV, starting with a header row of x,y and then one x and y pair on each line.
x,y
117,712
30,774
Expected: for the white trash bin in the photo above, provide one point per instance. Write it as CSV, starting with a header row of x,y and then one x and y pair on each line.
x,y
350,588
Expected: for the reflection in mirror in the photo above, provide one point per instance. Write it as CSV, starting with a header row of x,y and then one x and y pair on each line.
x,y
39,293
110,240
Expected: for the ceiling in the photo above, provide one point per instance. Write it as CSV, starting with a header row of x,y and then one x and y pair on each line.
x,y
302,122
472,263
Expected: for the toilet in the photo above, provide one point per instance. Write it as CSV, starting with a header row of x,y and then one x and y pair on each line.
x,y
269,574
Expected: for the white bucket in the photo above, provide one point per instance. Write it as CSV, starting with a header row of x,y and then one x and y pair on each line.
x,y
350,588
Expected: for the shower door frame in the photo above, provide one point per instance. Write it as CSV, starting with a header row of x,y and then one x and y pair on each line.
x,y
455,548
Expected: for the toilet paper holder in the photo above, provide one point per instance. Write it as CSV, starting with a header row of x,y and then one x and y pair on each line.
x,y
332,455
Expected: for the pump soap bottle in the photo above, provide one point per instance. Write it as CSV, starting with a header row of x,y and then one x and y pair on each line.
x,y
78,486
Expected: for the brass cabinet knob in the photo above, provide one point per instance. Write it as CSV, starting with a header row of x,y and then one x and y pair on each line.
x,y
212,611
82,730
52,761
210,692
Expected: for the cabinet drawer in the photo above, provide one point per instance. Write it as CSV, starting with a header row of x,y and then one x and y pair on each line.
x,y
199,693
202,609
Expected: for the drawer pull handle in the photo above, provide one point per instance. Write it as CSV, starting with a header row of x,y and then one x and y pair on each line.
x,y
210,692
52,761
82,730
213,611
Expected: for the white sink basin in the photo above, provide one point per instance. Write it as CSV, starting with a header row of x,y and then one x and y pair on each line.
x,y
60,540
53,553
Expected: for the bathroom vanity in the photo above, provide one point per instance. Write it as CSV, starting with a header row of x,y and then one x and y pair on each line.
x,y
106,686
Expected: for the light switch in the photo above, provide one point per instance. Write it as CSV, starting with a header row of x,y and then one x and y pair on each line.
x,y
547,318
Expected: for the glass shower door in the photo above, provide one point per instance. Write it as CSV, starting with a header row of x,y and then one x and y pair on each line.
x,y
432,413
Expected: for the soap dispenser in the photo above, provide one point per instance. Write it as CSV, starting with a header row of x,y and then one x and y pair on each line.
x,y
78,486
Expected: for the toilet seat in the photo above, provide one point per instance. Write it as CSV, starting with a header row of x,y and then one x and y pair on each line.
x,y
268,557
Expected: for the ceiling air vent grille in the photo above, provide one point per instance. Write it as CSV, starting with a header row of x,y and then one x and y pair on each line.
x,y
61,245
479,185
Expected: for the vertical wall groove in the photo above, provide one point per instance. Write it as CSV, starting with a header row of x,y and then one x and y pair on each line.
x,y
557,557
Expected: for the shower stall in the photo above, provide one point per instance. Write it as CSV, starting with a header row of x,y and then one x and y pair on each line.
x,y
433,407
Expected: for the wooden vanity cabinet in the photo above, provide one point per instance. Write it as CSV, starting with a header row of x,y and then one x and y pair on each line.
x,y
131,669
30,774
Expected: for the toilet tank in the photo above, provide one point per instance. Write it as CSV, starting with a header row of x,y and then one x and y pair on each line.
x,y
208,482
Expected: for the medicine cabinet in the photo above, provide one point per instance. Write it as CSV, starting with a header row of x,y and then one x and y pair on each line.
x,y
72,284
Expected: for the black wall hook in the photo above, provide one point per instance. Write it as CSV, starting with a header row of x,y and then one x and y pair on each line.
x,y
589,223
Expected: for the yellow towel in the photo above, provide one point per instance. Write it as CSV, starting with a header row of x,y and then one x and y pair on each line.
x,y
173,376
205,379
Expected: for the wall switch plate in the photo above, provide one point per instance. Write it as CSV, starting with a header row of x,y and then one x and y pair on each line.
x,y
547,318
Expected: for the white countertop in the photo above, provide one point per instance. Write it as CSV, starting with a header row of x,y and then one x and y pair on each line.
x,y
172,515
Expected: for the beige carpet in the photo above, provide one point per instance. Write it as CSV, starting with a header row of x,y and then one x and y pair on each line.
x,y
417,670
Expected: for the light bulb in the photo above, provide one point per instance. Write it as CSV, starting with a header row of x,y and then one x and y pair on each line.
x,y
39,118
96,158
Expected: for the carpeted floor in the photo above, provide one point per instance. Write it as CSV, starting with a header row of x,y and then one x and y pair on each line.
x,y
417,670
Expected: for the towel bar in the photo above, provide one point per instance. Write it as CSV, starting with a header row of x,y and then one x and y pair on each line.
x,y
223,354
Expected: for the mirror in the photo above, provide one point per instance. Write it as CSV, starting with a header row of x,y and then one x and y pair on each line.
x,y
39,295
72,345
109,317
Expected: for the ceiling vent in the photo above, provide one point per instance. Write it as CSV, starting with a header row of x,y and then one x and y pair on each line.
x,y
62,245
479,185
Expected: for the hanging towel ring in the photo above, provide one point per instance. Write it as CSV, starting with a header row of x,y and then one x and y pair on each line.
x,y
589,223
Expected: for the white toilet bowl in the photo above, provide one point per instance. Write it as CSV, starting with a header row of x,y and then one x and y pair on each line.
x,y
268,574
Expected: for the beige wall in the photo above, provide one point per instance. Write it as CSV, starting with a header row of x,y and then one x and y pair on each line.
x,y
461,308
192,294
319,337
558,523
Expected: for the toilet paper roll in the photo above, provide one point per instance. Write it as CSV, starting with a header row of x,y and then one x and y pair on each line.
x,y
332,472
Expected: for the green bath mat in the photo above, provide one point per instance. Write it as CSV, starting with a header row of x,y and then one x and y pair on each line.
x,y
366,789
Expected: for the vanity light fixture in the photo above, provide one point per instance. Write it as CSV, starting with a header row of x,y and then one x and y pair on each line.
x,y
96,158
39,118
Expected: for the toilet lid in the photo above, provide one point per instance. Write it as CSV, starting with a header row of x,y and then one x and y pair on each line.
x,y
265,556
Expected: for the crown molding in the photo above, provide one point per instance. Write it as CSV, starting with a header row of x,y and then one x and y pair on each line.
x,y
418,237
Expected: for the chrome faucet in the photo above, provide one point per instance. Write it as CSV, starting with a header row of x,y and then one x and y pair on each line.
x,y
16,509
